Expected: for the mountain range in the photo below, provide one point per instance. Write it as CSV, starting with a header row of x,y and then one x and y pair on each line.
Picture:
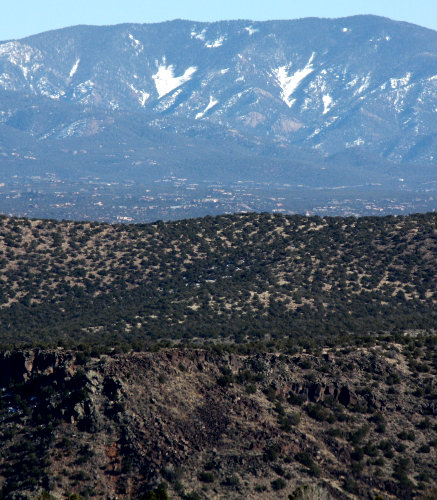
x,y
311,102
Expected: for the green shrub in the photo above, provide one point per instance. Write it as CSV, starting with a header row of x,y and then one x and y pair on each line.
x,y
278,484
356,469
399,447
231,481
400,471
335,432
425,423
305,459
225,380
279,409
288,422
379,420
351,486
271,452
295,400
270,392
387,448
260,488
407,435
192,496
370,450
159,493
206,477
317,412
358,454
359,434
250,389
172,474
425,448
381,428
45,496
80,476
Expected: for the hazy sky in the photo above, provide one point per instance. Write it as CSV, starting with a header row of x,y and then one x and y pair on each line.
x,y
25,17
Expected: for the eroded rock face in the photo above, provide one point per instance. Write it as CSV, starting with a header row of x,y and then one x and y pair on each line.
x,y
126,421
318,392
345,397
16,366
20,366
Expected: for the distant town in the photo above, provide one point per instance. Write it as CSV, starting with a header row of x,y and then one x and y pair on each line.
x,y
172,198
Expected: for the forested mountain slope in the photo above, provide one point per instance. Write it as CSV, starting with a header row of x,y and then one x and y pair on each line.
x,y
318,102
329,84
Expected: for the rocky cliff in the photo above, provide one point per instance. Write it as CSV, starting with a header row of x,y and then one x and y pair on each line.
x,y
212,424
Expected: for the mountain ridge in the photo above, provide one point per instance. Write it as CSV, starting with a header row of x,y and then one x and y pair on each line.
x,y
341,95
155,87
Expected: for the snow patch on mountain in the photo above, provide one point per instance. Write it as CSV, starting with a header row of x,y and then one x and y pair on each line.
x,y
6,81
331,120
316,132
84,91
289,83
215,43
165,81
85,87
76,128
251,30
352,83
136,44
400,82
399,90
23,56
364,86
48,89
18,53
114,104
327,103
212,103
358,142
74,68
168,101
199,36
141,95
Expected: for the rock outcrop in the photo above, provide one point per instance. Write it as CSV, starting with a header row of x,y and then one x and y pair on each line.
x,y
220,425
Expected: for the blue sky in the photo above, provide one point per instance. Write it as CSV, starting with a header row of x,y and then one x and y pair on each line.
x,y
25,17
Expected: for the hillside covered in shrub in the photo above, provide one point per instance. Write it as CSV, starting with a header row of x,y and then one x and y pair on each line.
x,y
232,278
